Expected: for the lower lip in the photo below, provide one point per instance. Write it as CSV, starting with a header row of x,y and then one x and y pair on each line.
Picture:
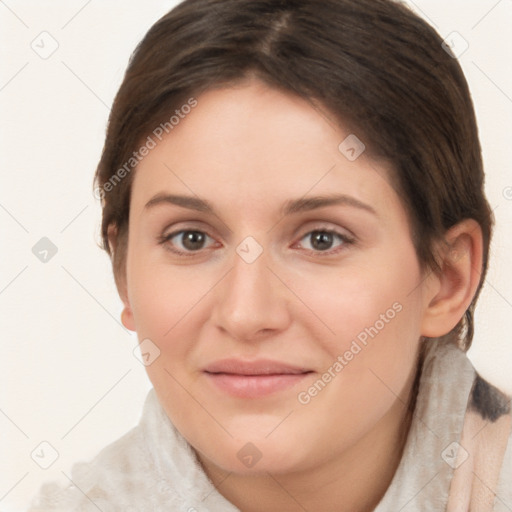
x,y
254,386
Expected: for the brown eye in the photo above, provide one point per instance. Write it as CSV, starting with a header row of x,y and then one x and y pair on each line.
x,y
186,240
322,240
193,240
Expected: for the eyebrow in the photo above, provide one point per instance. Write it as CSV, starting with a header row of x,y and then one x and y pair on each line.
x,y
290,207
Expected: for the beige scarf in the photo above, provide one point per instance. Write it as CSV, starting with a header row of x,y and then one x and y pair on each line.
x,y
457,456
480,459
458,453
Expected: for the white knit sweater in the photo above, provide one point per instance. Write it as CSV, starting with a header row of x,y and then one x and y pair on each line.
x,y
153,468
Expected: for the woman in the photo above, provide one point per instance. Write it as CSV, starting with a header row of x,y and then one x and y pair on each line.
x,y
293,202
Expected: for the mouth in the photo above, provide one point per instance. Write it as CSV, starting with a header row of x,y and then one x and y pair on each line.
x,y
254,379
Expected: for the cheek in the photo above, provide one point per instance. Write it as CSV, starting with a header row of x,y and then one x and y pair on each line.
x,y
370,359
364,304
163,296
374,315
168,308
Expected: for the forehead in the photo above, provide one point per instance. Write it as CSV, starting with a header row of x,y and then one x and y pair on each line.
x,y
254,145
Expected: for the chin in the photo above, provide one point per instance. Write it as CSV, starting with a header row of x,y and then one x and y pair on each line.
x,y
254,456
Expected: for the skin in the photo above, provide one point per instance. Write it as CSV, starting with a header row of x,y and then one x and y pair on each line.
x,y
248,149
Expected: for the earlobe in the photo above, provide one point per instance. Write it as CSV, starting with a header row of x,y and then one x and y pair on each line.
x,y
126,315
457,281
127,318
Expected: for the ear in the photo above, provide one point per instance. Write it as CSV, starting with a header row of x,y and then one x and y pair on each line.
x,y
120,280
452,288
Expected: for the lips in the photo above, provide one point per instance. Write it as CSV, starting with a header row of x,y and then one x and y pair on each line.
x,y
254,379
259,367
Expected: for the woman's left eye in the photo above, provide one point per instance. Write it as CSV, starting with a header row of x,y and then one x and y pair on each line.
x,y
322,240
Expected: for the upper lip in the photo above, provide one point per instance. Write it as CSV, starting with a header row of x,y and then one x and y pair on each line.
x,y
257,367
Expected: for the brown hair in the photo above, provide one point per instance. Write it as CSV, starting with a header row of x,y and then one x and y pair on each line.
x,y
373,64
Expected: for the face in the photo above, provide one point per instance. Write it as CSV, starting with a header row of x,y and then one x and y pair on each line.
x,y
283,321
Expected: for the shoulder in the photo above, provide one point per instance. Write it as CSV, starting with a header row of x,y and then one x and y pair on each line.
x,y
116,474
503,500
489,423
493,406
149,468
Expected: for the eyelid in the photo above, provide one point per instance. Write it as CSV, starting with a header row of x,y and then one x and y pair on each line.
x,y
325,226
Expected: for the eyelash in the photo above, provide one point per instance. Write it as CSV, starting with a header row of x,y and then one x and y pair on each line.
x,y
347,241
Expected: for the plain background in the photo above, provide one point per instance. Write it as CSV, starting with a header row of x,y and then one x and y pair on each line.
x,y
69,374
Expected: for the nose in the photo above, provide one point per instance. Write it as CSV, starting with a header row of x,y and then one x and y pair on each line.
x,y
251,302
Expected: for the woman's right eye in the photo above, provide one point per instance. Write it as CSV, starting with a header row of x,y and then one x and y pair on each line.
x,y
192,241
